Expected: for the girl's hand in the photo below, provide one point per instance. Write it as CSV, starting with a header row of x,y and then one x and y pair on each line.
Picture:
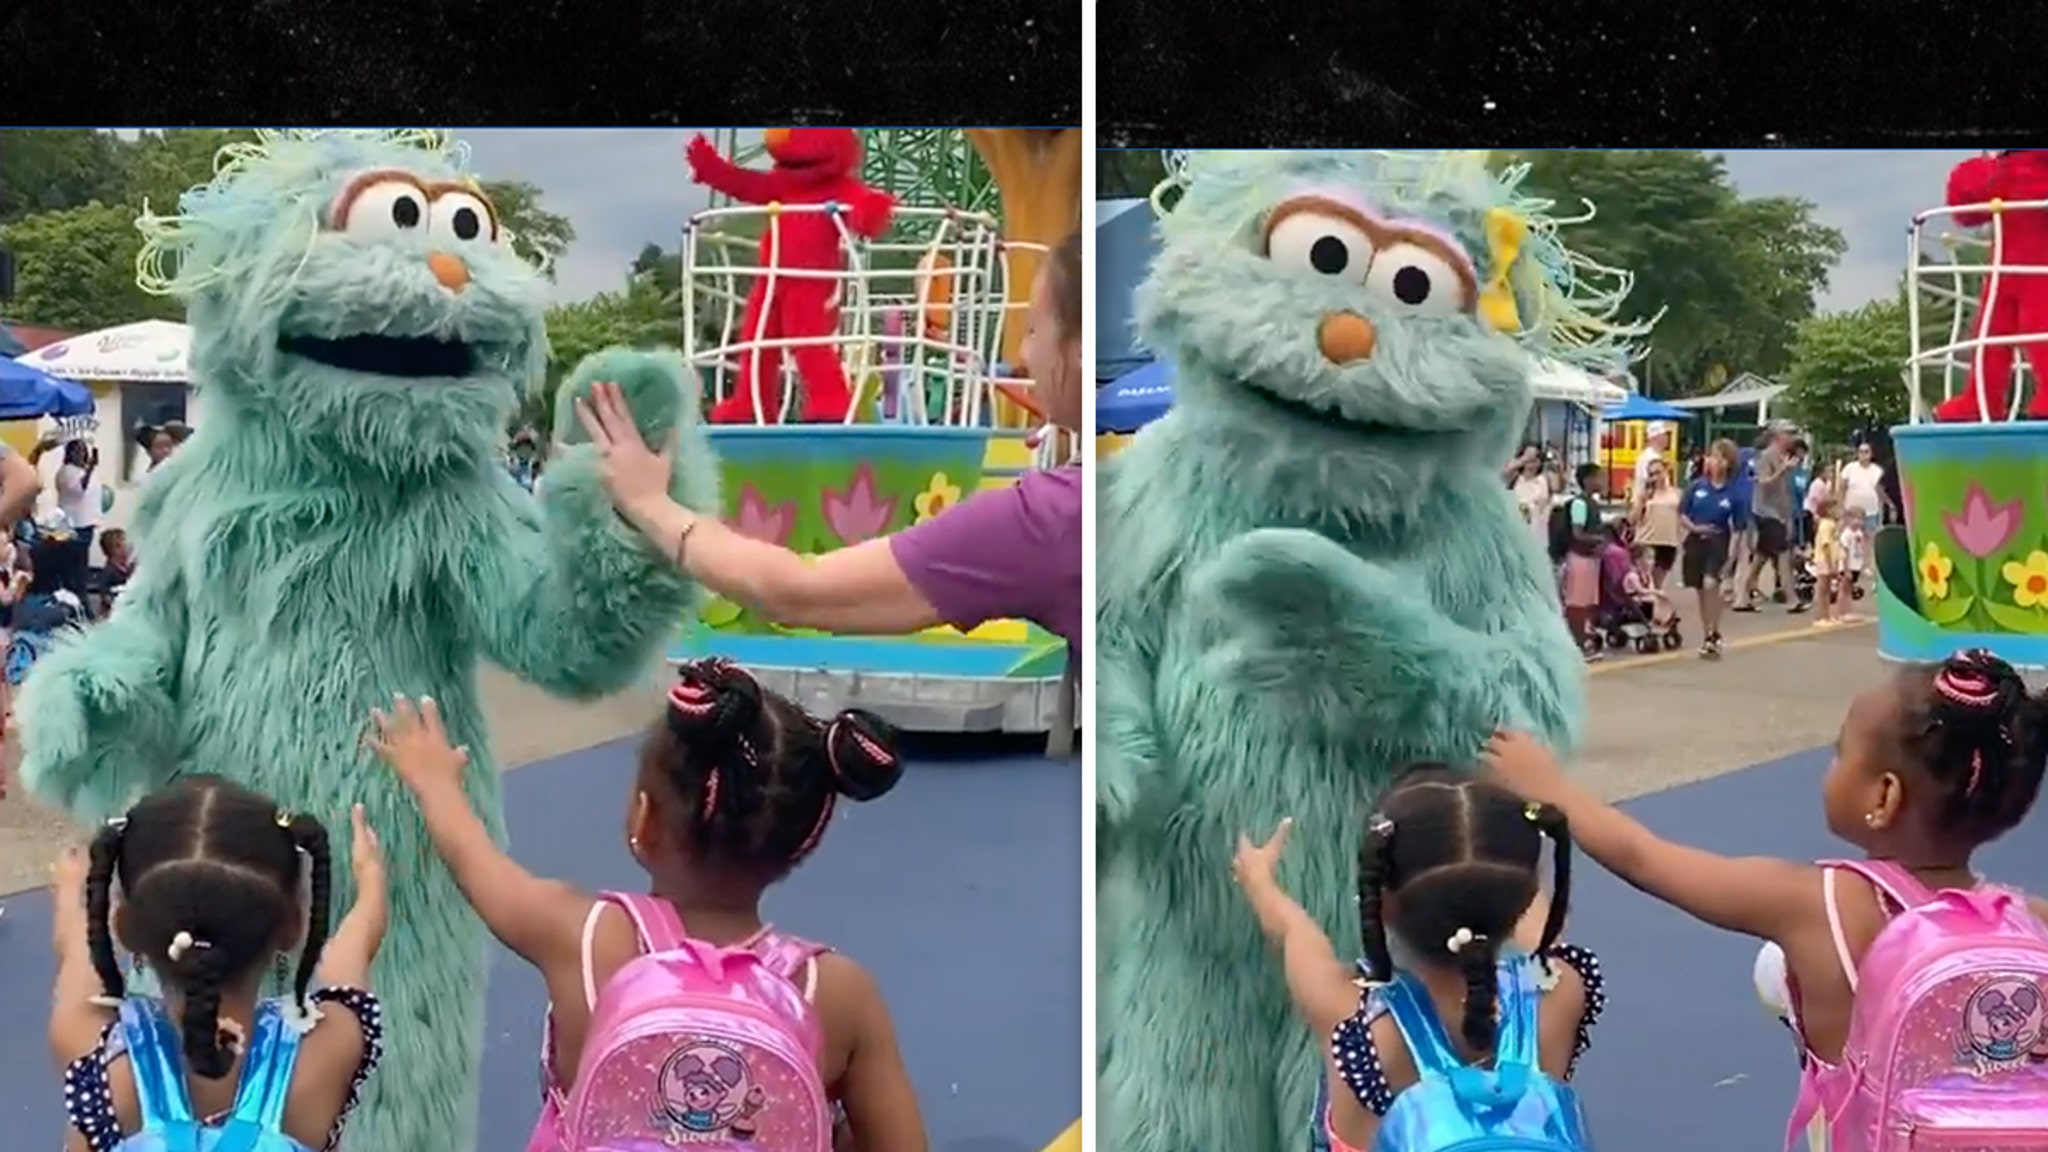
x,y
1255,864
366,863
635,476
416,746
1527,768
67,891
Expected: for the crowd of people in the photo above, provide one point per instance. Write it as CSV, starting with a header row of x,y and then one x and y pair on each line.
x,y
1729,519
736,788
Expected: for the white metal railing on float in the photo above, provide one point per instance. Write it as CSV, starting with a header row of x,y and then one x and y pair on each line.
x,y
923,315
1936,278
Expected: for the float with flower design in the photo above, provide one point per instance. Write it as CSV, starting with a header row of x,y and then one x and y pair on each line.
x,y
929,315
1968,568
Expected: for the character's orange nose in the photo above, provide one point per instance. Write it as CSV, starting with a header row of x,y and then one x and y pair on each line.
x,y
1346,337
449,270
775,137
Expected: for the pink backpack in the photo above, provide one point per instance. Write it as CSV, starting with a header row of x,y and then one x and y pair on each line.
x,y
1948,1040
693,1046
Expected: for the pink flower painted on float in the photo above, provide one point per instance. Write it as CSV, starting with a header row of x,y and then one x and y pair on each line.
x,y
861,512
1983,527
761,520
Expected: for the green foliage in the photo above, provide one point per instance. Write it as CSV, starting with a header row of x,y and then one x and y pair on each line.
x,y
1847,371
69,199
1128,173
1735,276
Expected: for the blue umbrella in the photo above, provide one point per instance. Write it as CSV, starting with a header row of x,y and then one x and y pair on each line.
x,y
1135,399
26,393
1641,407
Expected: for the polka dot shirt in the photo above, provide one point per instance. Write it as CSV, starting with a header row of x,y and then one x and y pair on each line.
x,y
89,1096
1358,1058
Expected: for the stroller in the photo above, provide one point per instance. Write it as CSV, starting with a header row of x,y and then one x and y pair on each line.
x,y
1622,620
47,609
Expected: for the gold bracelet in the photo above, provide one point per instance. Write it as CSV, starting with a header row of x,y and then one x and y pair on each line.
x,y
683,540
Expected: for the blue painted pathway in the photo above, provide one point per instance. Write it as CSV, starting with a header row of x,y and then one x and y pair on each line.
x,y
960,890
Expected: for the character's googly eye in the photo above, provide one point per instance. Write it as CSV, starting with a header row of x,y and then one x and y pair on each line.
x,y
1306,241
1418,280
464,217
386,208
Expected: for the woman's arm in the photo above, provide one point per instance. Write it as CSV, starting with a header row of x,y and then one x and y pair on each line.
x,y
859,590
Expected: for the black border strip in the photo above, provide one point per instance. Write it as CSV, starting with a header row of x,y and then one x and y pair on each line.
x,y
540,63
1573,73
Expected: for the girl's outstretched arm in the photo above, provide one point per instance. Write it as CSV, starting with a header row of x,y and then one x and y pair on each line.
x,y
541,920
1755,895
345,961
881,1105
1323,987
76,1020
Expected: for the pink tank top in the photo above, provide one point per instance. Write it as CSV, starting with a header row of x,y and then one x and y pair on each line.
x,y
780,950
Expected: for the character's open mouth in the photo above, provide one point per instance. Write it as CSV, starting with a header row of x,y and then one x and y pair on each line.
x,y
409,357
1327,417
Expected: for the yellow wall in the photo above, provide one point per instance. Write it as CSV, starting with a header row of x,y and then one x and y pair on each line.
x,y
1108,444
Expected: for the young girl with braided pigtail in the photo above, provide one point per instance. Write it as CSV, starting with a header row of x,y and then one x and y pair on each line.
x,y
215,883
1929,766
736,788
1447,877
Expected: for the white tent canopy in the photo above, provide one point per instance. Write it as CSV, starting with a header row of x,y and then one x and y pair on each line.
x,y
148,352
1561,383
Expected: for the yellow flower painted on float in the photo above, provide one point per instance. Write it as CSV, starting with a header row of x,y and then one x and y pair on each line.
x,y
1935,569
2029,579
937,496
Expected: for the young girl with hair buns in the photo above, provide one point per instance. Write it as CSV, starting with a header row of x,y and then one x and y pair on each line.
x,y
1449,866
736,788
215,884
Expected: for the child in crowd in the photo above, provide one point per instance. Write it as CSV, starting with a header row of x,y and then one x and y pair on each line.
x,y
215,884
1855,551
736,788
117,565
14,582
1929,767
1578,534
1830,565
1448,870
1639,584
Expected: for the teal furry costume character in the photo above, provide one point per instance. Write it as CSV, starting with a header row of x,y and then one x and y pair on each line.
x,y
341,528
1311,576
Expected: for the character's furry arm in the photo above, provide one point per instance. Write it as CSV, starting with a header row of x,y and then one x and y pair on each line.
x,y
1127,744
1289,613
747,185
566,593
1974,181
868,211
99,723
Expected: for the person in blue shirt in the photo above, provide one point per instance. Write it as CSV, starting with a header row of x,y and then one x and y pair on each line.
x,y
1711,515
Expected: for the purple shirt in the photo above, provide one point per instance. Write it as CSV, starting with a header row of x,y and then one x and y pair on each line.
x,y
1005,553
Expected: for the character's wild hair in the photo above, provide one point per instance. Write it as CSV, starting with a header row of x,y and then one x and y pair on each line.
x,y
1570,306
1461,854
1972,729
275,173
757,777
210,875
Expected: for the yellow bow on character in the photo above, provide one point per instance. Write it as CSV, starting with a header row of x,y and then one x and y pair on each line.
x,y
1505,232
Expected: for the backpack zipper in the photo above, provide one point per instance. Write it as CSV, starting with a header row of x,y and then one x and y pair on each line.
x,y
1968,1139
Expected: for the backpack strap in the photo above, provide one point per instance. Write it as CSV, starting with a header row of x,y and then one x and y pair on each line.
x,y
1424,1034
787,956
1519,1030
160,1092
1905,889
273,1055
660,929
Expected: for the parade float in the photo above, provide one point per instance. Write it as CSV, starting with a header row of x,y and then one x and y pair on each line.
x,y
1969,566
929,316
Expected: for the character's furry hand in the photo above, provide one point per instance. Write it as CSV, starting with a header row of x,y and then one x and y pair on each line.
x,y
96,723
702,156
869,215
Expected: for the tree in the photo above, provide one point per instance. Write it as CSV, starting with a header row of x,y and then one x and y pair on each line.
x,y
75,269
642,315
1846,371
536,232
42,169
1735,277
1128,173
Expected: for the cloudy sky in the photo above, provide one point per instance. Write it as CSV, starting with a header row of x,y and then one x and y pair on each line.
x,y
625,187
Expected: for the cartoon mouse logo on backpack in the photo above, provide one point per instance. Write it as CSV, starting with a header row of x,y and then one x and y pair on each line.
x,y
708,1093
2006,1021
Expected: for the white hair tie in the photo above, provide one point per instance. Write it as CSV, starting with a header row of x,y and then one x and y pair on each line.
x,y
1460,939
182,943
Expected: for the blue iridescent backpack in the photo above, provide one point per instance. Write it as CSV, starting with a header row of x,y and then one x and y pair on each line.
x,y
254,1124
1455,1107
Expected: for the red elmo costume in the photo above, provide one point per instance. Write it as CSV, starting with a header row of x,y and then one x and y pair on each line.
x,y
2014,303
811,166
